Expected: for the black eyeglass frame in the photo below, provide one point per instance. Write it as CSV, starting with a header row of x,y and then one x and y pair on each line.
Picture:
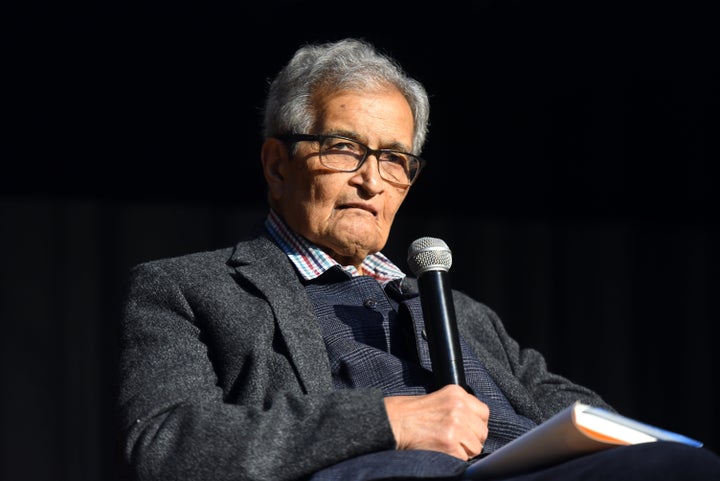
x,y
320,138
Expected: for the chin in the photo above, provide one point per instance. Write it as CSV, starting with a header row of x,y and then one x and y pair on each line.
x,y
356,246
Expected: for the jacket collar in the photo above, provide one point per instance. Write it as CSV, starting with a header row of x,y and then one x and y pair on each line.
x,y
263,264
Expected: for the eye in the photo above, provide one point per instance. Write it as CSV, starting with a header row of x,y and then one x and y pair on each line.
x,y
344,146
395,158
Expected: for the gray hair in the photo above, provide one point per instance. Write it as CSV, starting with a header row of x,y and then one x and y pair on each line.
x,y
349,64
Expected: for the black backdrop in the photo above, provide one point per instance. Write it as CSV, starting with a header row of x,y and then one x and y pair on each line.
x,y
572,170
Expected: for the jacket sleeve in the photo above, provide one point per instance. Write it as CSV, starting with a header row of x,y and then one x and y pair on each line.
x,y
521,373
180,418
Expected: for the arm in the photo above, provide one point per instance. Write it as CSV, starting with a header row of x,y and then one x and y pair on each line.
x,y
194,408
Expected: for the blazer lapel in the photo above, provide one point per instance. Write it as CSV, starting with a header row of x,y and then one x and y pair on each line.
x,y
265,266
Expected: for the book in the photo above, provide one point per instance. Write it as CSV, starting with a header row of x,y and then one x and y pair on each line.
x,y
577,430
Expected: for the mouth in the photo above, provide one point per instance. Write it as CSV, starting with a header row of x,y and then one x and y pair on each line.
x,y
359,205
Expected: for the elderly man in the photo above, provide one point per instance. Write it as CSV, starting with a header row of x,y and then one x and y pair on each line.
x,y
299,352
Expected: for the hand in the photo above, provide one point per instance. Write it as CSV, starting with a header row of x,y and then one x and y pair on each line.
x,y
449,420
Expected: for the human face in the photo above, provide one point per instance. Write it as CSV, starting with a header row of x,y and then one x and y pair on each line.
x,y
347,214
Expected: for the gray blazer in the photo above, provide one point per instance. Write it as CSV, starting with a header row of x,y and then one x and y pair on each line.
x,y
223,373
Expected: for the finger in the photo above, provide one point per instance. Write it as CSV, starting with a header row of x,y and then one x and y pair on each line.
x,y
473,445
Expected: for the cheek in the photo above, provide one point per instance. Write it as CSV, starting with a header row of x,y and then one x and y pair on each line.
x,y
323,193
317,202
393,205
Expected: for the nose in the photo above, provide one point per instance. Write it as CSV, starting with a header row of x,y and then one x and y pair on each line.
x,y
368,176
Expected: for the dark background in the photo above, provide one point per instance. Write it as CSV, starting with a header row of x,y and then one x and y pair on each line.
x,y
573,160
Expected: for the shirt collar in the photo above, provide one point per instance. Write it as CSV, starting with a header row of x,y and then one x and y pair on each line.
x,y
311,261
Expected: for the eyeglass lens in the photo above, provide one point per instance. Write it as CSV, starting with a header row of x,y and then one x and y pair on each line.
x,y
346,155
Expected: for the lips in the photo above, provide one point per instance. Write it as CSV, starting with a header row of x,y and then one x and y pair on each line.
x,y
359,205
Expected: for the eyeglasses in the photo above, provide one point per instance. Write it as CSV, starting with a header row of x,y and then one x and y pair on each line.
x,y
344,154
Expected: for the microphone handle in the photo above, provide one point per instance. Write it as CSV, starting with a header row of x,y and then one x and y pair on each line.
x,y
441,328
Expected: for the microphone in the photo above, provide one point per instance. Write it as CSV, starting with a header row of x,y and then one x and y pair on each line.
x,y
429,260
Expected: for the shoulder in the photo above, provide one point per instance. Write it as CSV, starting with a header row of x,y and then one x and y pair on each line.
x,y
188,265
245,251
480,324
473,313
212,265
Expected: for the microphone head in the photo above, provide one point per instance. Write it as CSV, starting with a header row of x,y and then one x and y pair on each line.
x,y
429,254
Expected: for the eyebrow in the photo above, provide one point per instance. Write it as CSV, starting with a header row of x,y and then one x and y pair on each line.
x,y
353,135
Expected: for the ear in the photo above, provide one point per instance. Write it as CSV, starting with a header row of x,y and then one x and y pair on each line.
x,y
274,156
